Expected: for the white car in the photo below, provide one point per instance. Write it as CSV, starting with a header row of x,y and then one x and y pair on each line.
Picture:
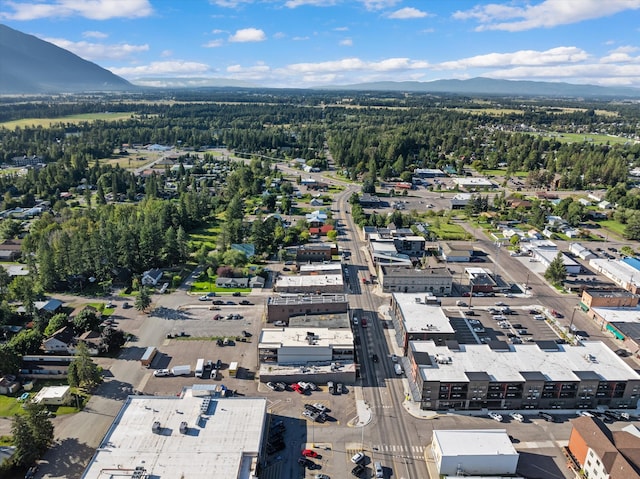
x,y
355,320
516,416
394,358
279,323
499,317
358,457
539,317
495,416
203,298
304,385
478,330
584,413
161,373
272,386
320,407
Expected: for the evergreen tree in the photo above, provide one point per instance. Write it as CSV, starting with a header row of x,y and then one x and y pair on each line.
x,y
32,434
556,273
83,372
143,300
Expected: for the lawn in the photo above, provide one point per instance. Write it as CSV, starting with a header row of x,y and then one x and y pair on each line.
x,y
614,227
207,235
210,287
588,138
48,122
9,406
448,231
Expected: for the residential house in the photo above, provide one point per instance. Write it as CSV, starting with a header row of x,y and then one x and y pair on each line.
x,y
10,250
9,385
151,277
53,395
316,202
256,282
62,341
316,218
322,230
232,282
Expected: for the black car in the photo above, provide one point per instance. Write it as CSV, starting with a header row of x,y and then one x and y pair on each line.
x,y
218,301
548,417
219,342
236,294
374,357
246,334
358,470
308,463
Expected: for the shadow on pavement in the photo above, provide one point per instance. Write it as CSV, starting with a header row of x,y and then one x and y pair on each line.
x,y
65,459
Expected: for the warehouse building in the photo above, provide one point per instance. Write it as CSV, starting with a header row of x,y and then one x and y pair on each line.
x,y
184,436
608,298
622,274
310,284
547,256
545,375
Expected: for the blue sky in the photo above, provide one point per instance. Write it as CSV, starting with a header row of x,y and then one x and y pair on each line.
x,y
306,43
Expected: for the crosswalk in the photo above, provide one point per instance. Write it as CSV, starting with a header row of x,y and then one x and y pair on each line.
x,y
415,451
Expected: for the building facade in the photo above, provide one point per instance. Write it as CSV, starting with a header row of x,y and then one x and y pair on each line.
x,y
281,308
526,376
608,298
404,279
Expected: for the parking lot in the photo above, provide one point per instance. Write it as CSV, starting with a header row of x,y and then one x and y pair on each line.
x,y
488,323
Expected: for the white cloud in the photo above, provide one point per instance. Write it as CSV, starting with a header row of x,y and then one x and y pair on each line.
x,y
356,64
95,34
341,29
166,53
92,9
546,14
621,55
407,13
379,4
248,35
279,35
313,3
217,31
347,42
213,44
259,71
99,51
522,57
166,68
300,39
230,3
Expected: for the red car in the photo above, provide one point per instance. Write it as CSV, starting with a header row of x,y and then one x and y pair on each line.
x,y
556,314
297,388
311,453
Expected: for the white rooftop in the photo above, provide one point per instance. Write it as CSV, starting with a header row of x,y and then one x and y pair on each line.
x,y
226,438
475,181
309,280
382,246
506,365
616,270
549,256
292,337
474,442
421,317
619,315
51,392
320,267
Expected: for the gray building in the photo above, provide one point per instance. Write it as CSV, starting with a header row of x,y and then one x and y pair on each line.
x,y
406,279
545,375
281,308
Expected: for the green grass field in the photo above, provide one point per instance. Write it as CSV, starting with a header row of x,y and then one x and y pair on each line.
x,y
614,227
590,138
9,406
210,287
48,122
501,172
450,232
207,235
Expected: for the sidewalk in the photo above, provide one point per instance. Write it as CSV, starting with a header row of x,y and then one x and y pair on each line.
x,y
362,408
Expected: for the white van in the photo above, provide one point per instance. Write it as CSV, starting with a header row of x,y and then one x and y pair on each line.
x,y
398,369
378,468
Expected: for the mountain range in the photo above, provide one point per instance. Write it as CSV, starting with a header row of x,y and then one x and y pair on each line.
x,y
29,65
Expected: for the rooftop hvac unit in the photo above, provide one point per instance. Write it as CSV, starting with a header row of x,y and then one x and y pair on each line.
x,y
156,427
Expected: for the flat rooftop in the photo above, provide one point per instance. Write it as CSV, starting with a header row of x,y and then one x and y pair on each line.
x,y
549,256
507,365
320,320
619,315
318,268
421,317
610,293
297,337
307,299
224,437
406,271
617,269
469,182
474,442
309,281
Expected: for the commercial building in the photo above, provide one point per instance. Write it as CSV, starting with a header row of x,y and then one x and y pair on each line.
x,y
481,280
473,183
187,436
456,252
405,279
385,252
478,452
318,355
311,284
429,172
581,251
622,274
547,256
597,452
419,318
460,200
542,375
315,252
281,308
622,323
320,268
608,298
367,200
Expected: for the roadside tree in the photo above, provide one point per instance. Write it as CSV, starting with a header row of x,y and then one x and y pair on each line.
x,y
143,300
83,372
556,273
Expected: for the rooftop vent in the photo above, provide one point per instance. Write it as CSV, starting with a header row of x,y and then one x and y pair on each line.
x,y
156,427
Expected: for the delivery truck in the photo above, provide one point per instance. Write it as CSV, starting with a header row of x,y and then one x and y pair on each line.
x,y
183,370
147,357
200,367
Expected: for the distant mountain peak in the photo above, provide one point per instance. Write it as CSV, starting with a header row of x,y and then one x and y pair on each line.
x,y
490,86
30,65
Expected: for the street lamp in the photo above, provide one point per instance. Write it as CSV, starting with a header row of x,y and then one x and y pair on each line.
x,y
573,313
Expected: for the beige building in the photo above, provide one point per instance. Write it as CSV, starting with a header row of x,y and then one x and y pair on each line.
x,y
405,279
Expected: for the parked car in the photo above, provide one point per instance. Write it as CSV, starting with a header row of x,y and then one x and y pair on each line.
x,y
516,416
296,387
339,388
394,358
246,302
237,294
539,317
331,387
495,416
357,457
279,323
548,417
204,297
246,334
358,470
308,463
282,386
161,373
125,305
311,453
272,386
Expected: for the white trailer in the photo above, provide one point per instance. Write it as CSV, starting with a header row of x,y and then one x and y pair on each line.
x,y
183,370
200,367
